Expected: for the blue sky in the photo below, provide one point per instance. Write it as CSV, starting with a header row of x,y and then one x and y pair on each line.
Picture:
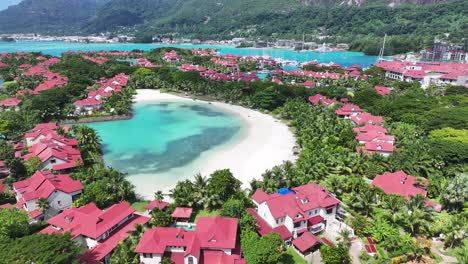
x,y
5,3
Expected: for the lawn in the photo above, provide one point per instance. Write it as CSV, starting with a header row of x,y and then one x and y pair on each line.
x,y
205,213
291,257
140,206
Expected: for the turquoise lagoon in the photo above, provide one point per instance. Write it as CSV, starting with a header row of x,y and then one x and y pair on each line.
x,y
164,142
344,58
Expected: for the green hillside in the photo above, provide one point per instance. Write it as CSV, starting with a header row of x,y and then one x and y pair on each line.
x,y
411,24
42,16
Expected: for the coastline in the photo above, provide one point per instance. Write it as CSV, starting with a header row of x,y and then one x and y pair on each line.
x,y
85,120
264,143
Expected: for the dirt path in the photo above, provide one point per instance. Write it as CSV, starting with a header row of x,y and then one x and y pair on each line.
x,y
436,246
355,250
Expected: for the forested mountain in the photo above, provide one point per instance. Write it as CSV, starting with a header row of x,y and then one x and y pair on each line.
x,y
55,16
411,23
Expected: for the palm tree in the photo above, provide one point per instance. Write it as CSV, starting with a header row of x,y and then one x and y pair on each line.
x,y
200,182
418,216
158,196
462,253
365,200
87,138
344,234
43,204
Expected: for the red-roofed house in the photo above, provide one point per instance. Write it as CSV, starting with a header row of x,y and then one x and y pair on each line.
x,y
4,171
404,185
306,244
182,213
263,228
155,204
382,90
399,183
369,128
55,157
214,240
294,209
39,132
308,84
88,105
348,110
426,73
6,206
59,190
99,230
366,118
374,135
171,56
10,104
319,99
3,187
380,147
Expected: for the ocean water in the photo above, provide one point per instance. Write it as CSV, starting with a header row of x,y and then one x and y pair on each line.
x,y
163,141
344,58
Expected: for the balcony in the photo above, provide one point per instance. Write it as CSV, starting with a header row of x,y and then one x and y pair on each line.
x,y
317,228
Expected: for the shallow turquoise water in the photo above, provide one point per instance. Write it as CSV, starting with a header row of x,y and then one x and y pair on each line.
x,y
344,58
163,136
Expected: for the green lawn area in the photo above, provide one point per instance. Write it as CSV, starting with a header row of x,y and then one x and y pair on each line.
x,y
140,206
291,257
205,213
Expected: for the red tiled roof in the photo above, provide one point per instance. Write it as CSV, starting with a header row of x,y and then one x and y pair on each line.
x,y
308,83
69,155
264,228
106,246
6,206
327,242
369,136
10,102
88,102
182,212
305,241
43,183
398,183
375,146
315,220
369,128
382,90
370,249
219,257
320,99
437,207
260,196
292,204
348,109
366,118
215,233
156,204
3,187
155,240
35,213
89,220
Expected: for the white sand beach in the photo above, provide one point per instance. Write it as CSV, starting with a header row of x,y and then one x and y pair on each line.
x,y
265,142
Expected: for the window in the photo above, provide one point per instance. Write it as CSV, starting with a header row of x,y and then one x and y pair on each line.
x,y
53,161
145,255
330,210
59,202
298,224
190,260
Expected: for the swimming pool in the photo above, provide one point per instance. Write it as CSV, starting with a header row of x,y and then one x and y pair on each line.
x,y
187,227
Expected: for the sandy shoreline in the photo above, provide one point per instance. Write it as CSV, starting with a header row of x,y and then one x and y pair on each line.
x,y
265,142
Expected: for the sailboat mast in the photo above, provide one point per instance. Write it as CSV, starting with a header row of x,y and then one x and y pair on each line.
x,y
381,53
